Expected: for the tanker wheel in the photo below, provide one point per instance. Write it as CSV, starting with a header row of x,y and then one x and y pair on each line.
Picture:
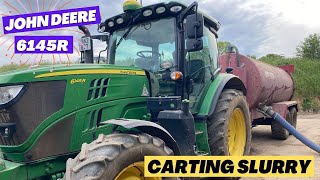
x,y
279,132
229,128
115,156
294,116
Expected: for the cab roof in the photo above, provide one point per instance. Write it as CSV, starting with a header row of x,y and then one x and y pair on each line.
x,y
172,9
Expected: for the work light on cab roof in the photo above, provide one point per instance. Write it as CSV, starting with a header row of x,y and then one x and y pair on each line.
x,y
131,5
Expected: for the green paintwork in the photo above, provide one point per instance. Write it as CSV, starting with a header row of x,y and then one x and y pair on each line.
x,y
202,138
123,100
206,103
13,170
131,5
19,171
205,107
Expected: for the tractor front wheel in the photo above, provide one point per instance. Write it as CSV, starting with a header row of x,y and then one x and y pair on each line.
x,y
116,156
229,128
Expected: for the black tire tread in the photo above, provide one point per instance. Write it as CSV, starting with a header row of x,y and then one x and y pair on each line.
x,y
279,132
98,154
293,112
216,122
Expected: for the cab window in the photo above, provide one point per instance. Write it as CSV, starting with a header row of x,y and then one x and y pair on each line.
x,y
202,64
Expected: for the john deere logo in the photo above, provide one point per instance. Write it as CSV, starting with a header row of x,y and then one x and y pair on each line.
x,y
73,81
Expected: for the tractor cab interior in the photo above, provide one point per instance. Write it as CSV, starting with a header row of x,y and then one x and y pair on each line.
x,y
150,46
145,45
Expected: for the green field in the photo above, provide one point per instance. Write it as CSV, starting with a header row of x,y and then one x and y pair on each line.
x,y
11,67
306,77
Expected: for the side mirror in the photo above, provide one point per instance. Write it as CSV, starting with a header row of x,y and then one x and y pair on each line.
x,y
194,26
194,45
194,31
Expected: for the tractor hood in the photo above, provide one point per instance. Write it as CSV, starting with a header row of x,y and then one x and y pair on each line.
x,y
44,73
51,99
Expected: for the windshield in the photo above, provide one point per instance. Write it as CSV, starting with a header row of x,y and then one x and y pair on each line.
x,y
147,45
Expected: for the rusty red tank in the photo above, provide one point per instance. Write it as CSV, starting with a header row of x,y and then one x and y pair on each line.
x,y
265,83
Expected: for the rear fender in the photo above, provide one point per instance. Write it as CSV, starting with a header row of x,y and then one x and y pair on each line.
x,y
150,128
221,82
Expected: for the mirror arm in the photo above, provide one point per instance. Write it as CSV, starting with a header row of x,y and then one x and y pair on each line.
x,y
100,54
186,11
196,24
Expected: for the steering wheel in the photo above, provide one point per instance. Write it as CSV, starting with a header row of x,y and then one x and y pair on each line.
x,y
141,54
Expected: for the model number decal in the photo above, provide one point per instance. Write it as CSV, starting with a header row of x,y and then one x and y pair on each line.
x,y
43,44
73,81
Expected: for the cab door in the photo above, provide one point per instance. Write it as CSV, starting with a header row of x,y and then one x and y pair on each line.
x,y
201,67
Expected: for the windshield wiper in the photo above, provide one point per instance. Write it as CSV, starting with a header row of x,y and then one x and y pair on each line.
x,y
125,35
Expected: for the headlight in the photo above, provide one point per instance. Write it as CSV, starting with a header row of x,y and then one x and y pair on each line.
x,y
176,9
8,93
147,13
102,28
120,20
160,10
111,24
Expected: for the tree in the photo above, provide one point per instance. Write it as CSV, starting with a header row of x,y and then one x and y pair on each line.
x,y
223,46
310,47
272,57
252,56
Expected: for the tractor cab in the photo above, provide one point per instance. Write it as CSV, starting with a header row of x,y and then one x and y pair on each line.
x,y
175,44
159,93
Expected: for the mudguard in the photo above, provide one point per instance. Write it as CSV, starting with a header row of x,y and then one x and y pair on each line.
x,y
221,82
148,127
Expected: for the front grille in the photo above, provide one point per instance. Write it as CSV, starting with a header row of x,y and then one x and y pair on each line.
x,y
98,88
39,101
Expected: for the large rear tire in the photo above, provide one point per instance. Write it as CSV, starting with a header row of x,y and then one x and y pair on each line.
x,y
116,157
229,128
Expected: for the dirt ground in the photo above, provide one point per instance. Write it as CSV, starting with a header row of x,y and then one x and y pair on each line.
x,y
263,144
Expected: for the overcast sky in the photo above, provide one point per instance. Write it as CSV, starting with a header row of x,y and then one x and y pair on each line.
x,y
256,27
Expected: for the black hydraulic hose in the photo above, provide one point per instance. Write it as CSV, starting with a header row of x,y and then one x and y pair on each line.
x,y
290,128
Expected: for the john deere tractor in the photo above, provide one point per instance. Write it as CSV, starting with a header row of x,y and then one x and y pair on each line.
x,y
160,93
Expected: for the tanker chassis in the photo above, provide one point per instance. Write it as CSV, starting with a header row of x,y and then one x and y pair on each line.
x,y
162,92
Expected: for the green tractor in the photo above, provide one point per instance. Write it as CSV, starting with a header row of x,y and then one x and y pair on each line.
x,y
161,92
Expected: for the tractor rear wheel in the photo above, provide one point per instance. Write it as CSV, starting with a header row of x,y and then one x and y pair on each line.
x,y
229,128
116,156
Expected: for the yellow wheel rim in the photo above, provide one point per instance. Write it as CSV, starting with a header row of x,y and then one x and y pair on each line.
x,y
237,133
134,171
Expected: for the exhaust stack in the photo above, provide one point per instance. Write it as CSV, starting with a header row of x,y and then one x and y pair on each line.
x,y
87,55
